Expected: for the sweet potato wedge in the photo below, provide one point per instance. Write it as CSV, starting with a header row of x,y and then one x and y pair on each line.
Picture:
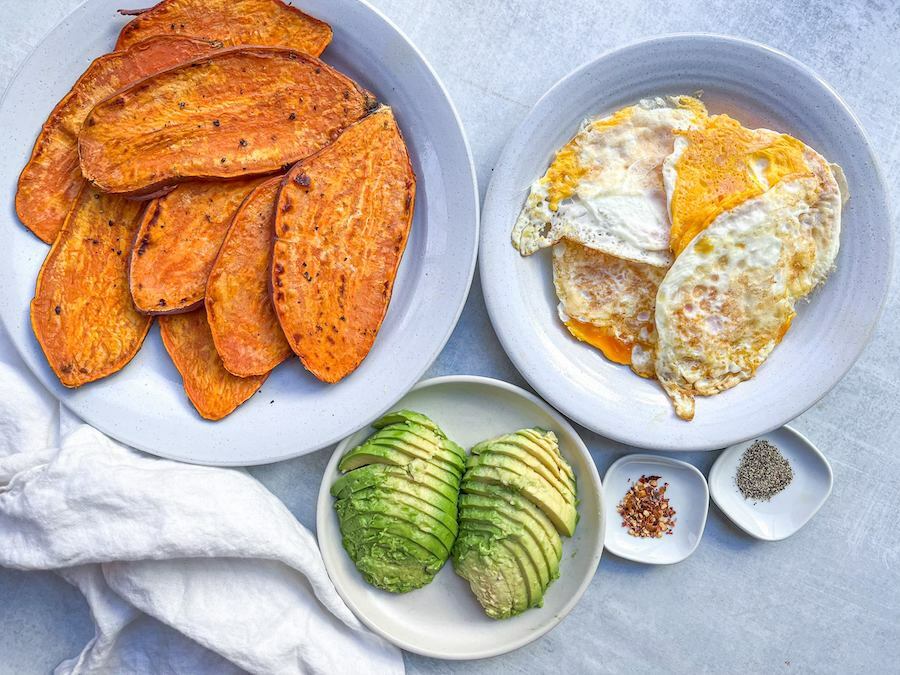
x,y
82,314
213,390
50,182
244,327
240,112
177,242
234,22
341,226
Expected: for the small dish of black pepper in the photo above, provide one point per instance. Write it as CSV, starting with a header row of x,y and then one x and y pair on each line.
x,y
771,486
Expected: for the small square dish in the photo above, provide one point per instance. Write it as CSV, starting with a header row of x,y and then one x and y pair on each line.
x,y
688,494
790,509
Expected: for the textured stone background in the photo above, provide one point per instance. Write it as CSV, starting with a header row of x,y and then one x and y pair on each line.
x,y
825,600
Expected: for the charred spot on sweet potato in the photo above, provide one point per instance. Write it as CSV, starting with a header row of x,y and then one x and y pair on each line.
x,y
359,213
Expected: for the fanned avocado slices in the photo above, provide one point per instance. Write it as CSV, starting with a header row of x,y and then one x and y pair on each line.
x,y
425,503
356,524
399,446
521,525
397,501
496,525
540,493
512,502
518,496
493,575
393,477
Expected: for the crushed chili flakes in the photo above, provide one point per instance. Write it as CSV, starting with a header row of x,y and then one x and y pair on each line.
x,y
645,509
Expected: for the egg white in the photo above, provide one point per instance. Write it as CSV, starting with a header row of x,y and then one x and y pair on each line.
x,y
614,198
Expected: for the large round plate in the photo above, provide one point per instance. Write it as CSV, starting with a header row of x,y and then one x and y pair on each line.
x,y
144,405
761,87
443,619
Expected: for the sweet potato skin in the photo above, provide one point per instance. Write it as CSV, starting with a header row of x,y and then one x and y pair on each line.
x,y
244,327
50,182
82,314
177,242
212,390
341,226
240,112
234,22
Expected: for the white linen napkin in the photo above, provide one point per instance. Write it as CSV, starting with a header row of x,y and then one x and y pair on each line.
x,y
186,569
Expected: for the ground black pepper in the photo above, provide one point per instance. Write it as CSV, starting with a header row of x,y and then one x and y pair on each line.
x,y
763,472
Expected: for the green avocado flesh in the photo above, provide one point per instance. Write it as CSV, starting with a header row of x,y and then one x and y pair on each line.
x,y
518,496
397,501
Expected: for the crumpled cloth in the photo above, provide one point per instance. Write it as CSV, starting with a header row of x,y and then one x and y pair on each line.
x,y
186,569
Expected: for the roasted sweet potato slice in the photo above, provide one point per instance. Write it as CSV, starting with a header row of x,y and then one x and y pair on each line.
x,y
213,390
177,242
82,314
50,182
244,327
234,22
239,112
340,229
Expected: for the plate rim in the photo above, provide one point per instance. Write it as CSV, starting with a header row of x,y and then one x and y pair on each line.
x,y
492,295
324,509
469,168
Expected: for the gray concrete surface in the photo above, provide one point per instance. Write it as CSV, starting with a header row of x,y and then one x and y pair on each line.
x,y
825,600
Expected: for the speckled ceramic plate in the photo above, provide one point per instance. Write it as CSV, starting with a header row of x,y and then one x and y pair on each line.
x,y
443,619
144,404
761,87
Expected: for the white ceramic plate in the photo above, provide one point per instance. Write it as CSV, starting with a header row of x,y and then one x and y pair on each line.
x,y
688,495
144,404
443,619
791,508
761,87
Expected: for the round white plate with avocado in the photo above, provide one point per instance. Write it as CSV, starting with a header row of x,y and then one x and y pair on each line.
x,y
520,480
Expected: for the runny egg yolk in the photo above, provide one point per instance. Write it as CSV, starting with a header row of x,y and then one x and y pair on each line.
x,y
723,165
614,349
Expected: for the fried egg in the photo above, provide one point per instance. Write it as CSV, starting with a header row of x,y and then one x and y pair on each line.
x,y
608,303
721,164
729,297
605,190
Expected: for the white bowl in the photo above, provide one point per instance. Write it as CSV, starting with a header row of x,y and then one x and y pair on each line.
x,y
443,619
687,493
791,508
761,87
144,405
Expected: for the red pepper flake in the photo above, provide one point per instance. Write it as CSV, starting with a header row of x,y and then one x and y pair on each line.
x,y
645,509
